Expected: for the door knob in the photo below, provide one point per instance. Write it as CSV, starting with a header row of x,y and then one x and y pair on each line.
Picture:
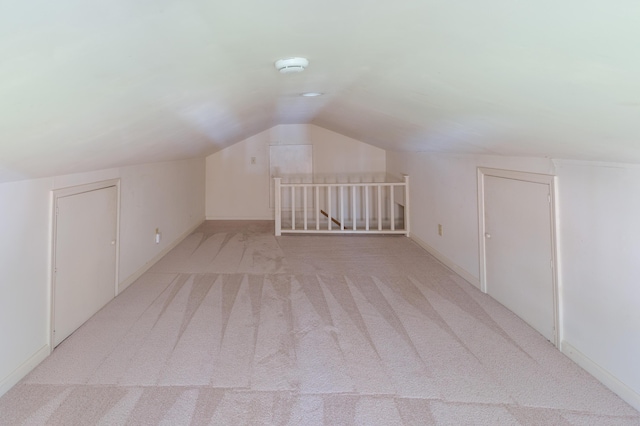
x,y
113,242
487,235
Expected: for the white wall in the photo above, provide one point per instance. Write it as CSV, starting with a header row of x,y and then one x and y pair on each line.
x,y
599,206
598,238
237,189
444,191
25,229
169,196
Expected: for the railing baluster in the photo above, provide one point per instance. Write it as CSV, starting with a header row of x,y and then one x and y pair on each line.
x,y
406,206
353,207
366,207
317,208
392,206
379,208
278,206
293,207
304,208
341,207
329,207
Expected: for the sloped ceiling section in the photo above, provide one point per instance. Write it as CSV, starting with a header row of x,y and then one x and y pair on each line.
x,y
88,85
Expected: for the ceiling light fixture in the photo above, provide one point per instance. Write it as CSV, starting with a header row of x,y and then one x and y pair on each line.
x,y
311,94
291,65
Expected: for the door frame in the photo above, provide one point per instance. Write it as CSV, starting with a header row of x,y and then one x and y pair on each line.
x,y
550,181
68,192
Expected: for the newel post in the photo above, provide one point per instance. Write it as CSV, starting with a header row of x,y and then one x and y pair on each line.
x,y
406,206
278,205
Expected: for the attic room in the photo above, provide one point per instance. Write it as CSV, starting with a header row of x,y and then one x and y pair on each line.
x,y
178,104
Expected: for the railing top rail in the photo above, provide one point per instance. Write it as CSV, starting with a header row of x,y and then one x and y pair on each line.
x,y
301,185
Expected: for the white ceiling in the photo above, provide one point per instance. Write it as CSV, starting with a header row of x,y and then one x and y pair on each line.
x,y
87,85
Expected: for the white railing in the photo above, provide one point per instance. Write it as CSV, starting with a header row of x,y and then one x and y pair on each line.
x,y
342,208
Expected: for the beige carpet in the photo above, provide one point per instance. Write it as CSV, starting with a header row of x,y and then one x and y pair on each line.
x,y
235,326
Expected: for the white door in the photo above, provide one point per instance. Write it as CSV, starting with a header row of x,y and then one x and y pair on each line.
x,y
518,250
85,257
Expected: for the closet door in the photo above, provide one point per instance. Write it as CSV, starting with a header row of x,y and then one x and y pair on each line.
x,y
85,258
518,246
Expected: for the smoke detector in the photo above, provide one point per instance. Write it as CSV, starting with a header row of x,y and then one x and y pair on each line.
x,y
291,65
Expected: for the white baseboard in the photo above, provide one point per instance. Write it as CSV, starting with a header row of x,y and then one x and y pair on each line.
x,y
448,262
126,283
24,369
604,376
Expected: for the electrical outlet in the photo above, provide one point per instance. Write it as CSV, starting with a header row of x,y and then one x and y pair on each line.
x,y
440,230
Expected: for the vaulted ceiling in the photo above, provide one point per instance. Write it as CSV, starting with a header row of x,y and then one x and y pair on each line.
x,y
87,85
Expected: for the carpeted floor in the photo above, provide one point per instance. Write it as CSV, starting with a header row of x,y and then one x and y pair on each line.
x,y
235,326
